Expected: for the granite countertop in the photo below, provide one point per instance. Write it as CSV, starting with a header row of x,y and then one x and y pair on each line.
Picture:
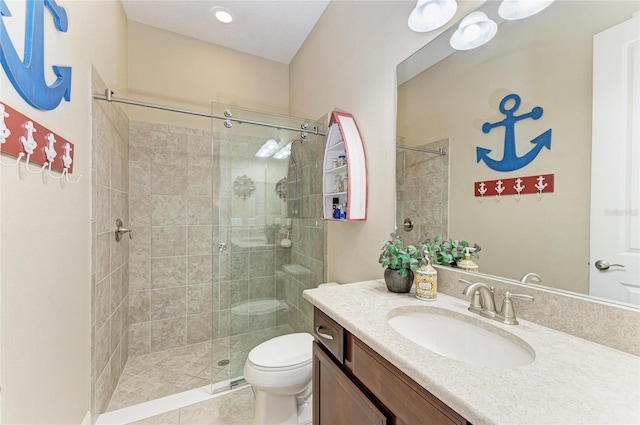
x,y
571,380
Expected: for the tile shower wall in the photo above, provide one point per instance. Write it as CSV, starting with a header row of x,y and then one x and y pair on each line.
x,y
171,267
423,192
110,260
308,232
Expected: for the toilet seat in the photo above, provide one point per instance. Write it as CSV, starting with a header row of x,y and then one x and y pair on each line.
x,y
282,353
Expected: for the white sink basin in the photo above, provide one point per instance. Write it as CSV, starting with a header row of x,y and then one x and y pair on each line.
x,y
458,337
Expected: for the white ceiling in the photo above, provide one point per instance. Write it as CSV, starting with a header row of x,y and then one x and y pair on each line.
x,y
272,29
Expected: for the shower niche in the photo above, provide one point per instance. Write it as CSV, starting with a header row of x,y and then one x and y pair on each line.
x,y
344,180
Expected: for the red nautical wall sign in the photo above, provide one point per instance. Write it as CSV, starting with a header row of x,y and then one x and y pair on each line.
x,y
515,186
20,136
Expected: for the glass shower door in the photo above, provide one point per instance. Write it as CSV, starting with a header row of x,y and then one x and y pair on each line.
x,y
268,238
249,200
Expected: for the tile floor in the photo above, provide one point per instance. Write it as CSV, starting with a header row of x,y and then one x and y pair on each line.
x,y
235,408
152,376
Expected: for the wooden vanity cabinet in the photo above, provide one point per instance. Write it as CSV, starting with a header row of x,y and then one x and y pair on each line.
x,y
354,385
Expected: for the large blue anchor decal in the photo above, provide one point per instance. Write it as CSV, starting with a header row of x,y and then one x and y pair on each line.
x,y
510,160
27,76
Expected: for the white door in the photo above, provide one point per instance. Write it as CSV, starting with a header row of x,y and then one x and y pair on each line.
x,y
615,164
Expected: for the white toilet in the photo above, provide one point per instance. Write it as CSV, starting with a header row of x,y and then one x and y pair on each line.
x,y
280,371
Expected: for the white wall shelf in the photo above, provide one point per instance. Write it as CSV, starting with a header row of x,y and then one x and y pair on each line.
x,y
344,181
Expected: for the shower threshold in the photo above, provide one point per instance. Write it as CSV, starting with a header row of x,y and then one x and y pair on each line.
x,y
172,402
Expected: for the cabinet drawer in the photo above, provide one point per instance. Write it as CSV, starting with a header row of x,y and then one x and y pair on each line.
x,y
409,402
329,334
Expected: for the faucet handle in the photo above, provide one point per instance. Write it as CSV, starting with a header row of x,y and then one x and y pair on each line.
x,y
508,295
507,311
476,304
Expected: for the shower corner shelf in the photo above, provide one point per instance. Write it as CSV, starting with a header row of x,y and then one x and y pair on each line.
x,y
343,138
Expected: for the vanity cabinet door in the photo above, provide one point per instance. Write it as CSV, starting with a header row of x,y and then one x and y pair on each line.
x,y
336,399
408,403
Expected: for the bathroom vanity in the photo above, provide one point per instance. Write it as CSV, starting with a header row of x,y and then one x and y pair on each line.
x,y
355,385
367,372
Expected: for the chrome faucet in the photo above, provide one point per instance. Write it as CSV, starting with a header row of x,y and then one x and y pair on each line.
x,y
484,304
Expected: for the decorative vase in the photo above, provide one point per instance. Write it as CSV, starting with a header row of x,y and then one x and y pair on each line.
x,y
397,283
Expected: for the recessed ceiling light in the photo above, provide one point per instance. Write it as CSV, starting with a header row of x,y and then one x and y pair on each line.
x,y
222,14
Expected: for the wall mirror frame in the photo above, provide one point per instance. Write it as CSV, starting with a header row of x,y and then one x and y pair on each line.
x,y
546,59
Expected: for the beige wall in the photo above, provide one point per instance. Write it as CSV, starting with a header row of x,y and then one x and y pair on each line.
x,y
349,62
171,69
46,233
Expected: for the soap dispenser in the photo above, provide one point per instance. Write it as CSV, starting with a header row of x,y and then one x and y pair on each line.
x,y
467,264
426,280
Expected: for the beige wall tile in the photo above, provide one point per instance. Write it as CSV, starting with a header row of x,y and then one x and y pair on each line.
x,y
139,339
168,272
168,179
200,269
166,334
168,149
200,299
139,307
168,241
200,210
199,328
199,240
140,274
168,303
168,209
140,177
140,246
139,210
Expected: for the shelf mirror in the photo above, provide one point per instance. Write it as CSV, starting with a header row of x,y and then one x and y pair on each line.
x,y
547,60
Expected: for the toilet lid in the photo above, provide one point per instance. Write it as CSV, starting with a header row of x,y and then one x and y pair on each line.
x,y
283,351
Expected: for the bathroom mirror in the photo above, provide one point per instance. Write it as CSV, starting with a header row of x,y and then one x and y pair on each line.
x,y
547,60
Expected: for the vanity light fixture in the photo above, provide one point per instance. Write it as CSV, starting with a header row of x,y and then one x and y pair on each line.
x,y
283,153
429,15
222,14
474,30
520,9
270,147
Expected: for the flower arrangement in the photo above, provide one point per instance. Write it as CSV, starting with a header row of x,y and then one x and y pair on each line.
x,y
396,256
448,252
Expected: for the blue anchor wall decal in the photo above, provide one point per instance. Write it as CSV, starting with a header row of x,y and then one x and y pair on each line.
x,y
510,160
27,76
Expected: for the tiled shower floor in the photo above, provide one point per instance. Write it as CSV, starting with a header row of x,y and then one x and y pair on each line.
x,y
157,375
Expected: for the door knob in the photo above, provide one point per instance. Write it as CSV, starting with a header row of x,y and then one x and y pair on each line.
x,y
604,265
